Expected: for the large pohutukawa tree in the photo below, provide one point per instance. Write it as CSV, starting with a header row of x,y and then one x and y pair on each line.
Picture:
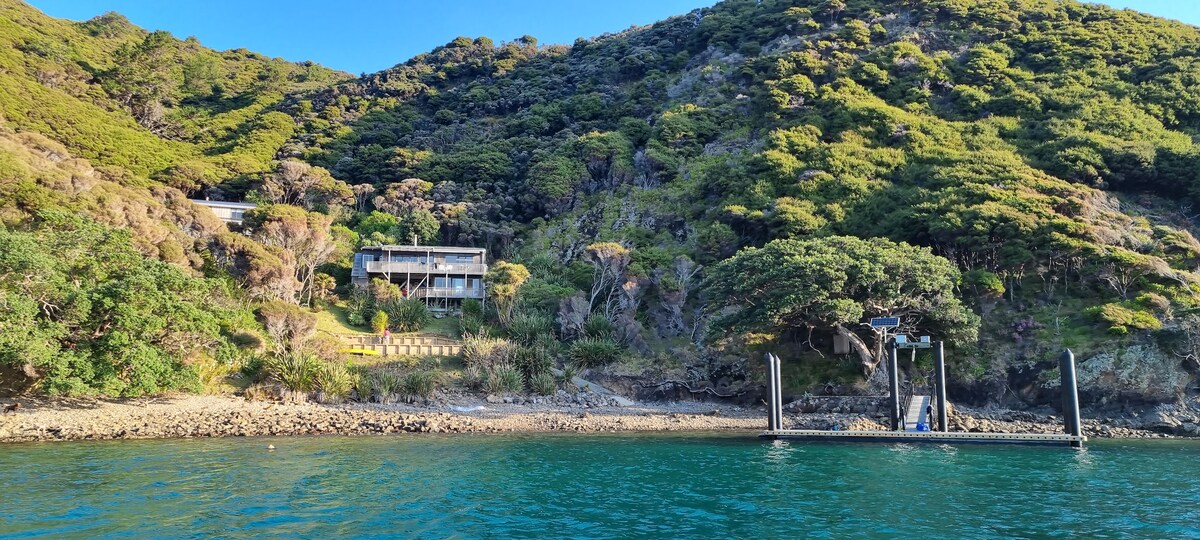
x,y
838,283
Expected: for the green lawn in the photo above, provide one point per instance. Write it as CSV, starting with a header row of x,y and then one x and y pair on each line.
x,y
332,320
446,326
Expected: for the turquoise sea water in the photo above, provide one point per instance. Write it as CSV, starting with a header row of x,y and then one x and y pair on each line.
x,y
563,485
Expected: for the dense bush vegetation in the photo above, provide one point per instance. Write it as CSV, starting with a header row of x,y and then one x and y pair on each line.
x,y
592,352
761,169
82,312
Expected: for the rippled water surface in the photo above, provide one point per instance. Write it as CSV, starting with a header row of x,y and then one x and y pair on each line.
x,y
555,486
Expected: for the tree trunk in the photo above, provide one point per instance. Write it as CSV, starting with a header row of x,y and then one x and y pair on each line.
x,y
868,358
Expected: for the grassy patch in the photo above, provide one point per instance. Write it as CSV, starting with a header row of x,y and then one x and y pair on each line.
x,y
446,326
332,320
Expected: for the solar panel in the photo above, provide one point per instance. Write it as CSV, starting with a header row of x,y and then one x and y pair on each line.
x,y
885,322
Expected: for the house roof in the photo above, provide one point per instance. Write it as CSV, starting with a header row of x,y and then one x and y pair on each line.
x,y
224,204
426,249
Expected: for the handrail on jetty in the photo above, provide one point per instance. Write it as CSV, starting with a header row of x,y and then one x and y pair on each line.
x,y
1072,436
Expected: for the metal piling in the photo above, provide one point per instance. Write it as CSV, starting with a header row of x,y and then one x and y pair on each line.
x,y
894,384
939,358
1070,395
771,393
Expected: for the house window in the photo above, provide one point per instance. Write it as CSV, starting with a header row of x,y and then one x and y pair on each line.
x,y
458,283
460,259
439,282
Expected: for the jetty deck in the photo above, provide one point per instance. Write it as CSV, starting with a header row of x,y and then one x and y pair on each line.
x,y
939,437
918,409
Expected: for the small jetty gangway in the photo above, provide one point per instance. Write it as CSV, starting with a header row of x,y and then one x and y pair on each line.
x,y
918,409
919,406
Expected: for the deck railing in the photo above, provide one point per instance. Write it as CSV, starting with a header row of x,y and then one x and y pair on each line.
x,y
447,292
389,267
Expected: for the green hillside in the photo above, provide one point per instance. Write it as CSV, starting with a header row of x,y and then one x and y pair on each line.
x,y
145,101
1040,155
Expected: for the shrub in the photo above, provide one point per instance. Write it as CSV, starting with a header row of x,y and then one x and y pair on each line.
x,y
408,315
531,360
484,352
543,384
357,306
386,384
408,361
985,284
253,367
599,327
379,322
474,377
470,325
550,344
569,372
504,378
288,325
334,380
472,308
364,387
213,373
591,352
1122,318
295,370
544,293
525,328
419,384
1156,302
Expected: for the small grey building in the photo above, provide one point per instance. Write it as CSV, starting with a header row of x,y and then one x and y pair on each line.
x,y
442,276
229,212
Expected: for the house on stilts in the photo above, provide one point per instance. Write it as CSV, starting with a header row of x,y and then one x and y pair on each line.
x,y
441,276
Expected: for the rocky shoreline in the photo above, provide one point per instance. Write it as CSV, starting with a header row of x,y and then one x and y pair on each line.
x,y
1164,421
230,416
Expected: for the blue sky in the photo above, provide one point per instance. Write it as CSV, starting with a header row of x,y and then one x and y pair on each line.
x,y
359,36
1187,11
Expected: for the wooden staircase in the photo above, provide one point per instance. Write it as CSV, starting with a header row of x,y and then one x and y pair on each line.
x,y
404,345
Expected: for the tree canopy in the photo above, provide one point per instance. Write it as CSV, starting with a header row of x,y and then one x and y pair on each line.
x,y
81,312
841,282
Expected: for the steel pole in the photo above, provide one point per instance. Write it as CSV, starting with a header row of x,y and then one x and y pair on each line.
x,y
778,392
894,384
771,392
1070,395
939,357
